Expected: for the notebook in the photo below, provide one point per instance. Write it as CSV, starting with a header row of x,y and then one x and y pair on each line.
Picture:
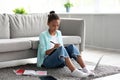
x,y
30,72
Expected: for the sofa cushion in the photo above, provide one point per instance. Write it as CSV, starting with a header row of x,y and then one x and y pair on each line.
x,y
4,27
30,25
34,41
66,40
7,45
71,39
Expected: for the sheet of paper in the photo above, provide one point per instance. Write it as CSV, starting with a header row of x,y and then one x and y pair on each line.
x,y
30,72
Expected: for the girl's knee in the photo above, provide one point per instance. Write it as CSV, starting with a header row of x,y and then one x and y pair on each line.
x,y
71,46
61,48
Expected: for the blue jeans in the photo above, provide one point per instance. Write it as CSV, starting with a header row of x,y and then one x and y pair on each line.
x,y
57,57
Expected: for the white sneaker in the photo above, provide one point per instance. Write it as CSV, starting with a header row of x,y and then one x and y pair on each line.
x,y
78,73
90,73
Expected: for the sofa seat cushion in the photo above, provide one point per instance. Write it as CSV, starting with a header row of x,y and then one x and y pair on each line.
x,y
34,41
66,40
71,39
7,45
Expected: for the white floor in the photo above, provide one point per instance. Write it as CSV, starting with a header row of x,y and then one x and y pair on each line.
x,y
109,58
90,54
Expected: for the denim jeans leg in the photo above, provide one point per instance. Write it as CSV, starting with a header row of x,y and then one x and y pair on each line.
x,y
73,51
56,59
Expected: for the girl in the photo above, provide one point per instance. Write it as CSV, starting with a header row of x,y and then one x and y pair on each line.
x,y
52,53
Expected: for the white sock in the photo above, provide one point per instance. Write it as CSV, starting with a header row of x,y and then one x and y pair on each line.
x,y
88,71
78,73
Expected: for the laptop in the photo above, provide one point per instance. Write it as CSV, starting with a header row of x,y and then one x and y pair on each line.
x,y
97,64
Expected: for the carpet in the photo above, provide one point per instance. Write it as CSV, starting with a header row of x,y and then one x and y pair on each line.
x,y
59,73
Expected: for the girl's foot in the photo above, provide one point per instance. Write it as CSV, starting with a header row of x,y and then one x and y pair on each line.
x,y
90,73
78,73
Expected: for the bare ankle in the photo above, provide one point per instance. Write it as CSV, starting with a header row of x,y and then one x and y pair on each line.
x,y
69,64
72,69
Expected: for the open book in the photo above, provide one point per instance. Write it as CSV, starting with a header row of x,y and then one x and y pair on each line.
x,y
30,72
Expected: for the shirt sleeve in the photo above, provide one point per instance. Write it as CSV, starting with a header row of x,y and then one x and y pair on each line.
x,y
41,50
42,42
60,38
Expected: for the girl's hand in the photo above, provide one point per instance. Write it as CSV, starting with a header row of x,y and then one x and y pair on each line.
x,y
56,46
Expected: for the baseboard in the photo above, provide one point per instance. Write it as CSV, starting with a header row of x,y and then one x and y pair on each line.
x,y
102,48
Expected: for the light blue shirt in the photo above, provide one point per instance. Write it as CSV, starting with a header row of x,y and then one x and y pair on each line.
x,y
44,44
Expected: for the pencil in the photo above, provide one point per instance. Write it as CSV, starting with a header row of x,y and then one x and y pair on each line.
x,y
52,42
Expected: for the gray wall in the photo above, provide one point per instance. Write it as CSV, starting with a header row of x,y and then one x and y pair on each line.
x,y
102,30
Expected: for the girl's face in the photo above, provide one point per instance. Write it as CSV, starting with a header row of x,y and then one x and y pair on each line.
x,y
54,25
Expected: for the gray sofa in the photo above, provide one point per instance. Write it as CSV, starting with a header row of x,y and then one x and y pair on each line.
x,y
19,34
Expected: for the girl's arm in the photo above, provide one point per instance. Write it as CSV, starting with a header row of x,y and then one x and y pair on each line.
x,y
52,49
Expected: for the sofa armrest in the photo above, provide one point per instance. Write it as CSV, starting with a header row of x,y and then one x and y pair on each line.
x,y
73,27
